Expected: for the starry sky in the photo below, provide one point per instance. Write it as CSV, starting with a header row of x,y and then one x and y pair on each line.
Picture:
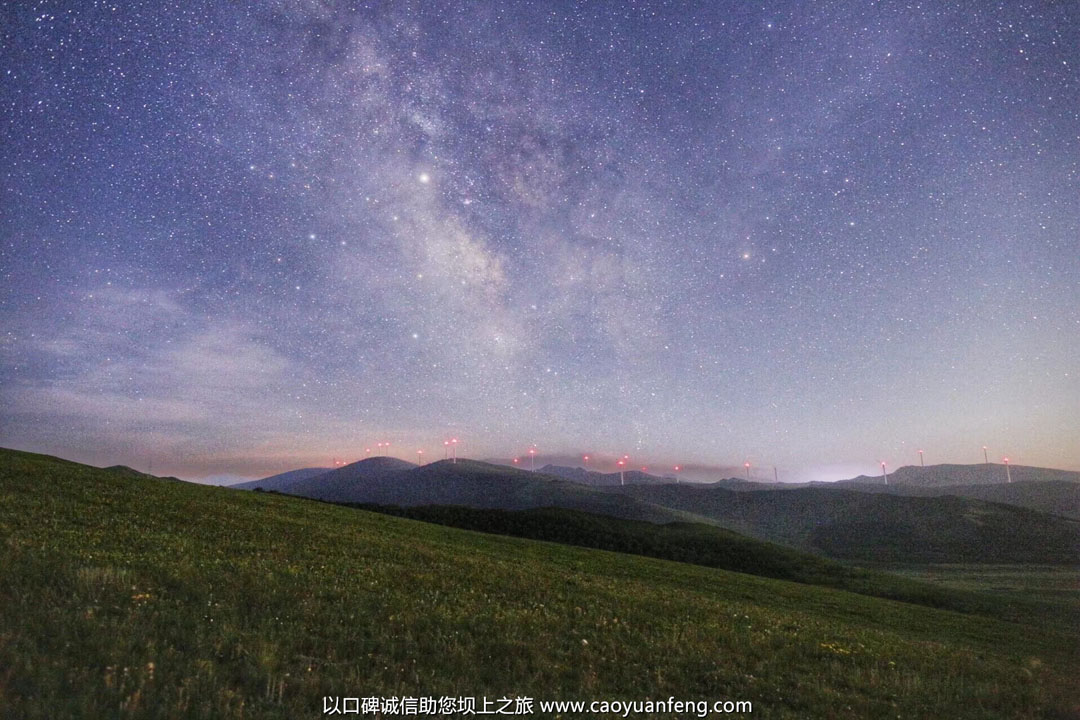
x,y
238,238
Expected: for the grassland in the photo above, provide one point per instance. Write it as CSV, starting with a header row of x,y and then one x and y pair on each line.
x,y
715,547
131,597
1050,592
877,527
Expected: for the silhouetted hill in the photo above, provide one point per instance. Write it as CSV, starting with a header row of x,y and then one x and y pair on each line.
x,y
598,479
945,475
1057,497
845,523
362,478
281,480
879,526
387,481
1043,489
743,485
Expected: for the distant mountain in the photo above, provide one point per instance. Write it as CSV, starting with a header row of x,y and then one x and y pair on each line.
x,y
356,479
907,523
637,477
386,481
879,526
1057,497
1043,489
980,474
598,479
281,480
743,485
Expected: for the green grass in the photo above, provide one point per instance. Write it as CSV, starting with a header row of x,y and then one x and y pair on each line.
x,y
718,548
127,597
877,527
1050,592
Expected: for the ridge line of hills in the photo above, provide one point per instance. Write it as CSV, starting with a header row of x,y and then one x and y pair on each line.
x,y
908,524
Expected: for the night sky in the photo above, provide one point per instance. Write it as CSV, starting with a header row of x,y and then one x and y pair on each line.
x,y
242,238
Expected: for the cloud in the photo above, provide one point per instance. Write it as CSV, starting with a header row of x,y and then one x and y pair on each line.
x,y
137,363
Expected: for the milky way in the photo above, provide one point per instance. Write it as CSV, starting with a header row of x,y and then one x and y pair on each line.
x,y
812,235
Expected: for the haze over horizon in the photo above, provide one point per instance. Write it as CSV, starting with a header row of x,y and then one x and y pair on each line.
x,y
240,240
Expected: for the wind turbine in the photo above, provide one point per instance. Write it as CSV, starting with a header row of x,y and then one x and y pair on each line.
x,y
747,466
677,469
446,449
921,463
1008,475
453,444
985,458
419,457
885,474
532,458
775,475
621,463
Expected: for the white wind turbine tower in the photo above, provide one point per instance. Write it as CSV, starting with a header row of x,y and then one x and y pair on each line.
x,y
883,473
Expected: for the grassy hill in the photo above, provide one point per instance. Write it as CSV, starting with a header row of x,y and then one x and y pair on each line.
x,y
712,547
132,597
880,527
1057,497
387,481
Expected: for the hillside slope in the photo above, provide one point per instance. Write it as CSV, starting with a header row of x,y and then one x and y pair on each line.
x,y
154,599
878,526
718,548
1056,497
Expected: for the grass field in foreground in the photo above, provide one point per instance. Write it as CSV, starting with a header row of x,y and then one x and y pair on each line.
x,y
126,597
